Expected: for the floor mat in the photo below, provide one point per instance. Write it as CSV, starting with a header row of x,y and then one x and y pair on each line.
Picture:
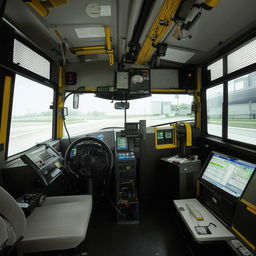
x,y
156,234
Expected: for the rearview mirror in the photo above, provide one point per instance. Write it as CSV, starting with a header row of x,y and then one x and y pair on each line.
x,y
75,101
122,105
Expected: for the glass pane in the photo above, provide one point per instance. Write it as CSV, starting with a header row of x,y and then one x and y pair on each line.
x,y
214,100
31,116
242,109
30,60
95,113
242,57
216,69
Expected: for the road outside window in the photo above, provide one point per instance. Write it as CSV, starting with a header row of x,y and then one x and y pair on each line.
x,y
95,113
242,109
31,121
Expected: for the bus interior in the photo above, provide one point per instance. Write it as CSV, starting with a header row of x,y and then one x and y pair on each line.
x,y
127,127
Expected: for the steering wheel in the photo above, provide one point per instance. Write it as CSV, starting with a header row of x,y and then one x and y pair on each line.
x,y
89,157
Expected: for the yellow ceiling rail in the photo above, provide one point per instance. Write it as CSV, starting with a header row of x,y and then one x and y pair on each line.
x,y
58,34
38,6
42,7
99,49
56,3
90,52
110,51
169,90
211,3
159,28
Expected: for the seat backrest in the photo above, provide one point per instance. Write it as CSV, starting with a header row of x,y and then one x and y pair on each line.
x,y
12,219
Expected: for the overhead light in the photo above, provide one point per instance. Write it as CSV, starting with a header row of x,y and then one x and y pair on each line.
x,y
90,32
177,55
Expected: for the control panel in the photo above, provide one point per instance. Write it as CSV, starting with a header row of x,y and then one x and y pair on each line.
x,y
126,191
125,155
132,130
46,162
128,147
126,177
125,174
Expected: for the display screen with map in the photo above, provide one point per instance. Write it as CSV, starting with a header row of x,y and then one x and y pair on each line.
x,y
228,174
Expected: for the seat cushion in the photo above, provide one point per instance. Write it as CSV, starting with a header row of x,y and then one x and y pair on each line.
x,y
59,224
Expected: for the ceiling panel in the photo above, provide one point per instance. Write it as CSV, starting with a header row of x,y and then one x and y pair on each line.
x,y
72,15
227,19
64,19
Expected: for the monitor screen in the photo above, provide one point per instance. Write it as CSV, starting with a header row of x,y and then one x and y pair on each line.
x,y
165,137
228,174
160,135
122,144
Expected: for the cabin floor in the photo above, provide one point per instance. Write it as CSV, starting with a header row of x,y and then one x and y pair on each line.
x,y
156,234
160,232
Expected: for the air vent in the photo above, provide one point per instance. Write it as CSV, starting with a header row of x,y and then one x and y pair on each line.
x,y
30,60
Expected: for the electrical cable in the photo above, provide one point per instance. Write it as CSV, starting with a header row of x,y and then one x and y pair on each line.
x,y
63,117
65,126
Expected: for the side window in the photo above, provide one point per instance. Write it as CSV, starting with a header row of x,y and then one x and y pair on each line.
x,y
216,69
31,120
214,98
242,109
236,73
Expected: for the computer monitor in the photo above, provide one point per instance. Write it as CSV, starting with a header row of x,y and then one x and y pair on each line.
x,y
165,137
228,174
121,143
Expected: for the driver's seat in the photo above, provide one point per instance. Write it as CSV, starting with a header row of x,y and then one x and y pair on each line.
x,y
59,224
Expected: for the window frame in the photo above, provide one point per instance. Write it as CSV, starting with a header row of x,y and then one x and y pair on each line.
x,y
12,69
225,80
54,112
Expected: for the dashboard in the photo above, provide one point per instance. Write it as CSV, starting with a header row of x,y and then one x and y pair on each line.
x,y
48,164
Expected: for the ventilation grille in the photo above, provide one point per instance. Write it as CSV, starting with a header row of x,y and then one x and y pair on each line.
x,y
30,60
216,69
242,57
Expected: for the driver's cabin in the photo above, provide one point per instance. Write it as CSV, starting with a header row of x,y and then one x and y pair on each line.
x,y
127,127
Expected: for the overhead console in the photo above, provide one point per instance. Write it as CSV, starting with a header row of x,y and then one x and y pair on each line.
x,y
132,83
46,162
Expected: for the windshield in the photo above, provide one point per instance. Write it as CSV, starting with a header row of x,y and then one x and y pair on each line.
x,y
95,113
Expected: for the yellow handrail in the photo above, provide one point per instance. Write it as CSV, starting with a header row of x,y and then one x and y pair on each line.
x,y
158,31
